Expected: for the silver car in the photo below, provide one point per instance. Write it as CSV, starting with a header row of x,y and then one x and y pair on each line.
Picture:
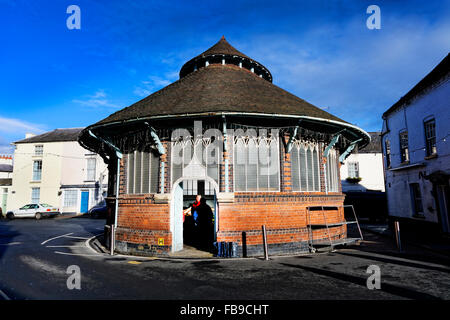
x,y
34,210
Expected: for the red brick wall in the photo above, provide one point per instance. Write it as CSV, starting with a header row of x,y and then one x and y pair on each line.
x,y
283,214
142,221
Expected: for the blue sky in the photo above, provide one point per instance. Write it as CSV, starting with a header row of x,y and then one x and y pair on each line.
x,y
322,51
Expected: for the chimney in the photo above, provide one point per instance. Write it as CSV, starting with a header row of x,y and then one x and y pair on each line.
x,y
29,135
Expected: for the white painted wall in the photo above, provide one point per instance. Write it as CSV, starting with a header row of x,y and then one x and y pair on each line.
x,y
63,163
435,104
370,170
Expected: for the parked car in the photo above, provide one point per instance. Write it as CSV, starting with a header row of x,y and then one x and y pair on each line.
x,y
98,211
34,210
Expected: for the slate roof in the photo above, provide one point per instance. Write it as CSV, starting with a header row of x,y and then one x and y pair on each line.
x,y
375,143
57,135
441,71
219,88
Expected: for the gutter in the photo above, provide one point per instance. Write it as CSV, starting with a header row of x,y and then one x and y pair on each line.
x,y
313,119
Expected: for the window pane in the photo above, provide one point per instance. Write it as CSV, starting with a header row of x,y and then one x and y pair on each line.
x,y
154,175
37,170
145,172
263,167
252,166
295,169
38,150
310,170
91,163
137,172
70,198
239,166
303,170
316,170
35,195
274,167
130,173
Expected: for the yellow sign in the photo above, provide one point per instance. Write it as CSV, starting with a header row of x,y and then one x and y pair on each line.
x,y
160,241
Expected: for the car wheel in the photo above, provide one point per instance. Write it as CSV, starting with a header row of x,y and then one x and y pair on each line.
x,y
10,215
38,216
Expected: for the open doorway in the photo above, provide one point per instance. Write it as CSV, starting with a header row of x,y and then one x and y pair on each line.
x,y
194,218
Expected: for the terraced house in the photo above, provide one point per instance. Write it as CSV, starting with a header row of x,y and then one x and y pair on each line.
x,y
416,147
53,168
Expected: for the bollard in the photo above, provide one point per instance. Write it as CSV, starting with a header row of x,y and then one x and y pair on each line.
x,y
113,241
397,235
264,234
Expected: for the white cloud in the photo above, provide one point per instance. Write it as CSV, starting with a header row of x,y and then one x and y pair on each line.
x,y
97,100
360,73
15,126
155,83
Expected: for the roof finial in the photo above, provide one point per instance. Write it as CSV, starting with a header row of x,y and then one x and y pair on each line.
x,y
223,38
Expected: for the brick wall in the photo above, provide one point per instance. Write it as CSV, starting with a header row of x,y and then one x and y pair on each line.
x,y
143,221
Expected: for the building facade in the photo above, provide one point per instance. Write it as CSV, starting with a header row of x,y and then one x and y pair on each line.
x,y
53,168
258,154
363,169
6,169
416,151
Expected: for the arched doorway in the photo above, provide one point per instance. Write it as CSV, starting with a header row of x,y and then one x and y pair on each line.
x,y
180,197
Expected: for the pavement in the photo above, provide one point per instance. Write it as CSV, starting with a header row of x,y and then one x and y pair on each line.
x,y
38,259
435,244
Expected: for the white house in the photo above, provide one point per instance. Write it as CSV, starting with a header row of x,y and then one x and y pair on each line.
x,y
53,168
416,147
6,169
365,164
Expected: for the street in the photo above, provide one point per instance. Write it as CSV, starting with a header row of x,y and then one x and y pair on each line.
x,y
35,256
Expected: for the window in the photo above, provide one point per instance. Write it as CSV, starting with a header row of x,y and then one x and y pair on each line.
x,y
35,195
387,145
142,172
38,150
305,167
37,170
353,169
91,163
195,158
70,198
404,151
416,198
430,137
256,164
332,176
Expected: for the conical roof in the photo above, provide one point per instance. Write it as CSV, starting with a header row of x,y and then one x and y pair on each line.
x,y
221,50
224,88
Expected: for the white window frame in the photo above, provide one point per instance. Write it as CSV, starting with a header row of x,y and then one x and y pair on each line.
x,y
312,147
37,172
141,173
73,198
33,196
273,140
91,172
39,150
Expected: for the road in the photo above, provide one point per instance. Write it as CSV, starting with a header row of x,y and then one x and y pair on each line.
x,y
35,256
